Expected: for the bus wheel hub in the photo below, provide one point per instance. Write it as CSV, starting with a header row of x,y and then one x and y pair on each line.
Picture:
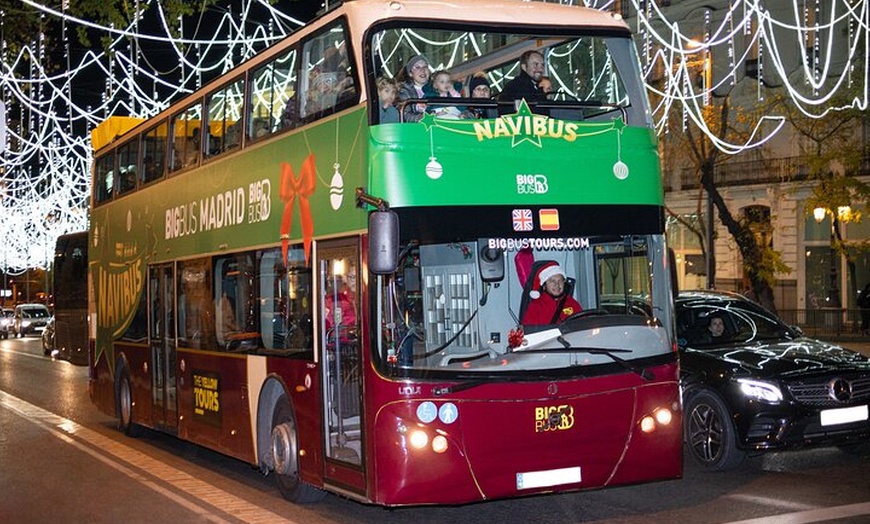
x,y
283,449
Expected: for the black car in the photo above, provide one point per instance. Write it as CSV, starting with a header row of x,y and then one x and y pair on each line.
x,y
761,385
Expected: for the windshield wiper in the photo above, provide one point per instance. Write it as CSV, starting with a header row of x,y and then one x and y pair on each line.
x,y
445,390
644,373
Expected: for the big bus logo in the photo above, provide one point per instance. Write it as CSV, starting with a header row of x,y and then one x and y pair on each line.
x,y
554,418
532,184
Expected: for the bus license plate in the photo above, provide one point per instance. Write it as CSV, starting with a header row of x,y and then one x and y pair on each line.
x,y
550,477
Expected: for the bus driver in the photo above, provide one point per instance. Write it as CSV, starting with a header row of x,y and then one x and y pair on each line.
x,y
551,303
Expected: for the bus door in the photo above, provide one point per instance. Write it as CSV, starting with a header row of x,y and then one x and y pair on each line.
x,y
161,286
341,362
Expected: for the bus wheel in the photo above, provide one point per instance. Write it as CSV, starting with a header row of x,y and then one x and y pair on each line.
x,y
285,453
125,406
711,436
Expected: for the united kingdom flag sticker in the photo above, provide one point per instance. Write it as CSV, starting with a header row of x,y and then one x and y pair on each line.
x,y
522,220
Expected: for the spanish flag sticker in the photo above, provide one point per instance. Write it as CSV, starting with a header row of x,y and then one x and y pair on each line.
x,y
549,219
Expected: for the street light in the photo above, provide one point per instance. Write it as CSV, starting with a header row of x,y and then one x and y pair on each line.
x,y
819,214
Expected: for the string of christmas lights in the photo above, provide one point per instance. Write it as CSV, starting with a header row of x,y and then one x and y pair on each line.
x,y
814,51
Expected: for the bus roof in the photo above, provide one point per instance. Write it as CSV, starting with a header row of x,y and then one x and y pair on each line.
x,y
112,128
493,12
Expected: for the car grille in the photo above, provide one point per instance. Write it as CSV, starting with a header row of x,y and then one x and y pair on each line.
x,y
818,392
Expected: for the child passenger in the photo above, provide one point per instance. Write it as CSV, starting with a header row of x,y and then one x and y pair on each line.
x,y
387,90
442,86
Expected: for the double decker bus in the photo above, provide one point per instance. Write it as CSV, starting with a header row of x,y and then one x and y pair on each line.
x,y
70,284
339,301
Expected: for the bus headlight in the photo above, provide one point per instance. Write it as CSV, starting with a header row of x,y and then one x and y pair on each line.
x,y
759,390
439,444
663,416
659,417
418,439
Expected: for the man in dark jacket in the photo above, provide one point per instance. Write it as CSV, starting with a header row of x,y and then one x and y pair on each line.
x,y
525,85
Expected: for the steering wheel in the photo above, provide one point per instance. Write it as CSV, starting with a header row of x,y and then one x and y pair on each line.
x,y
587,313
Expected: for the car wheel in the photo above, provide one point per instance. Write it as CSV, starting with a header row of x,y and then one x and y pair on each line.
x,y
285,457
125,406
709,433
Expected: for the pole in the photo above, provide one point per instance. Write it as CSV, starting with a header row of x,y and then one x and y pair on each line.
x,y
833,262
711,250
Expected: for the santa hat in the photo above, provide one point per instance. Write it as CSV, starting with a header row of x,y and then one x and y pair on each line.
x,y
548,270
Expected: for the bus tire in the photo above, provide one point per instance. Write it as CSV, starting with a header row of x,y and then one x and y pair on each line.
x,y
710,434
284,446
125,406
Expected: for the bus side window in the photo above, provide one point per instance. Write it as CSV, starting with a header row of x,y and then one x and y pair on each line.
x,y
237,303
285,314
127,159
196,323
328,80
224,117
105,179
153,153
272,91
186,133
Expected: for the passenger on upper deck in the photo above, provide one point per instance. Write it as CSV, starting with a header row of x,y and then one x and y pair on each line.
x,y
545,85
387,90
525,85
442,86
478,87
415,77
551,300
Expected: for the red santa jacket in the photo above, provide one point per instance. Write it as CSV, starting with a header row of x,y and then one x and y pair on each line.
x,y
542,309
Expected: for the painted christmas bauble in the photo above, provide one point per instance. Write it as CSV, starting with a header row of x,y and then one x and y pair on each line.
x,y
620,170
336,190
434,170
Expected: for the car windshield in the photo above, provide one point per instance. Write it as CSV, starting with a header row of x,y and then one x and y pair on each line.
x,y
34,312
713,323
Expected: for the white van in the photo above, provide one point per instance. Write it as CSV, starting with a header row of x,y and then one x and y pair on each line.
x,y
30,319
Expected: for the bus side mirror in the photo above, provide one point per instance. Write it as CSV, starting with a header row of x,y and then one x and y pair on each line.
x,y
491,262
383,242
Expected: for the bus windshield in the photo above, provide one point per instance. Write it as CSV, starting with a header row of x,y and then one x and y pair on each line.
x,y
592,76
462,308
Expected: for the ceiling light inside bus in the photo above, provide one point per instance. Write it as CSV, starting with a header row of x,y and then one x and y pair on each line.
x,y
395,6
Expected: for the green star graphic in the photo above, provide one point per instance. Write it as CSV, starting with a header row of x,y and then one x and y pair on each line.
x,y
522,111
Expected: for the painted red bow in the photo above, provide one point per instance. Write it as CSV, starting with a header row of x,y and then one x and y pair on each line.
x,y
302,187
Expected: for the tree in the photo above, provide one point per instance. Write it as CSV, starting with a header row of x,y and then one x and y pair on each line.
x,y
761,262
833,151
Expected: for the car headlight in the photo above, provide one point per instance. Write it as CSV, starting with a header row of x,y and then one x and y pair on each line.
x,y
760,390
